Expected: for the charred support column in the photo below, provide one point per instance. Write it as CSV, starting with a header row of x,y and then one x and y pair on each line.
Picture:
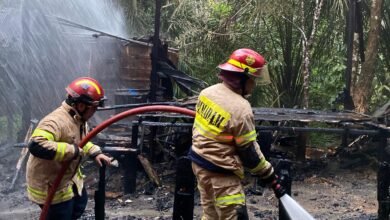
x,y
183,207
301,146
383,177
265,140
130,163
155,53
344,138
301,143
152,146
283,169
100,195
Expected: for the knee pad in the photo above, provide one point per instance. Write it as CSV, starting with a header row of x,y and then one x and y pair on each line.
x,y
242,213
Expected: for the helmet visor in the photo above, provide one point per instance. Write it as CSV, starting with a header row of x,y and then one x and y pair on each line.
x,y
262,76
99,103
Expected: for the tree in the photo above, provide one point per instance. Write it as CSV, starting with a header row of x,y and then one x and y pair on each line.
x,y
363,84
206,32
307,44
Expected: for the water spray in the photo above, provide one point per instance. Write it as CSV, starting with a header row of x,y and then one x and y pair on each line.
x,y
96,130
293,209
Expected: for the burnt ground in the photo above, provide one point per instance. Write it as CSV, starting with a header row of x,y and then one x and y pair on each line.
x,y
322,187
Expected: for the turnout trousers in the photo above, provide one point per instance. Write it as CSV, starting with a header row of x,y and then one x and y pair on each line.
x,y
68,210
221,195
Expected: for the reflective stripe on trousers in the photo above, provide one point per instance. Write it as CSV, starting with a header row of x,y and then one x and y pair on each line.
x,y
220,194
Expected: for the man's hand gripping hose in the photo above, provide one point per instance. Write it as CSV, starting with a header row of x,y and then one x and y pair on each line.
x,y
274,182
278,189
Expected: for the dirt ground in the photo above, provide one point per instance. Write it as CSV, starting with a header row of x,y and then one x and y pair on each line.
x,y
326,191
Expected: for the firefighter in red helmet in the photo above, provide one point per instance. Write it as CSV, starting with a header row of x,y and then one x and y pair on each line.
x,y
224,138
56,140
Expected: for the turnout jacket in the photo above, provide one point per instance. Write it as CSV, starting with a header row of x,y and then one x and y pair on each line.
x,y
54,141
224,135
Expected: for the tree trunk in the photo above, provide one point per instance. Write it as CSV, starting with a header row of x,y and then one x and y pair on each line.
x,y
363,87
307,46
356,67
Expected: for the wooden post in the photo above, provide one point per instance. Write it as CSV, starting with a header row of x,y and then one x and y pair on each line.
x,y
183,206
100,195
22,157
152,174
383,179
301,146
130,164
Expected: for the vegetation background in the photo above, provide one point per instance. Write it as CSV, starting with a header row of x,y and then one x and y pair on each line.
x,y
206,32
304,42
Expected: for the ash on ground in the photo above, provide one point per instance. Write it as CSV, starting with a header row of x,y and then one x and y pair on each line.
x,y
323,188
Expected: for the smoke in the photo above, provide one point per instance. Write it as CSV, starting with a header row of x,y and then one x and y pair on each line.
x,y
39,56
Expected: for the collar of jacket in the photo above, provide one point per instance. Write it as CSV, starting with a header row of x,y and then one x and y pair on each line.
x,y
238,91
71,111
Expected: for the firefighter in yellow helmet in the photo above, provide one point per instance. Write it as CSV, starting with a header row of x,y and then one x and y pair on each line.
x,y
54,141
224,139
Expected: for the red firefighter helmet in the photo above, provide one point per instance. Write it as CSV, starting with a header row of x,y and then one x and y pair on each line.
x,y
86,90
247,61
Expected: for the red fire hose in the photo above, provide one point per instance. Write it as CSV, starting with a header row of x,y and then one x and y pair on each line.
x,y
100,127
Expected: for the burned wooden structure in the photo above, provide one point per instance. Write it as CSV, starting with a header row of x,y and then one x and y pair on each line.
x,y
146,75
349,126
167,136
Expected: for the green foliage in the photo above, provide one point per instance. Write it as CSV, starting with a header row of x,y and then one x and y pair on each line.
x,y
381,92
219,10
140,16
206,32
323,140
326,80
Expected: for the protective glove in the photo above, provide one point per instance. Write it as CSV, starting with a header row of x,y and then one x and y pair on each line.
x,y
274,182
278,189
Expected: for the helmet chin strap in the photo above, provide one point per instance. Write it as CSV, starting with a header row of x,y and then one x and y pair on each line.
x,y
243,81
81,113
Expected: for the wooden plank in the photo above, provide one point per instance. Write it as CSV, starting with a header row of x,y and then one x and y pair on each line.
x,y
152,174
23,155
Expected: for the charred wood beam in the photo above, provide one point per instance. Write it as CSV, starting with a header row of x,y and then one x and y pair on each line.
x,y
23,156
130,106
281,128
383,178
183,207
324,130
283,169
155,53
150,171
130,164
99,33
123,150
100,194
170,116
164,124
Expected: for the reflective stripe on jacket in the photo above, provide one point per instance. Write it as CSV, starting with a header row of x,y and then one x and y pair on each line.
x,y
55,138
224,122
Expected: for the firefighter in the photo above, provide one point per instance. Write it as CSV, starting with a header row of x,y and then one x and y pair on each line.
x,y
55,140
224,139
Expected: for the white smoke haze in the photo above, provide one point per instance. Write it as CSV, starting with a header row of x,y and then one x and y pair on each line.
x,y
39,56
